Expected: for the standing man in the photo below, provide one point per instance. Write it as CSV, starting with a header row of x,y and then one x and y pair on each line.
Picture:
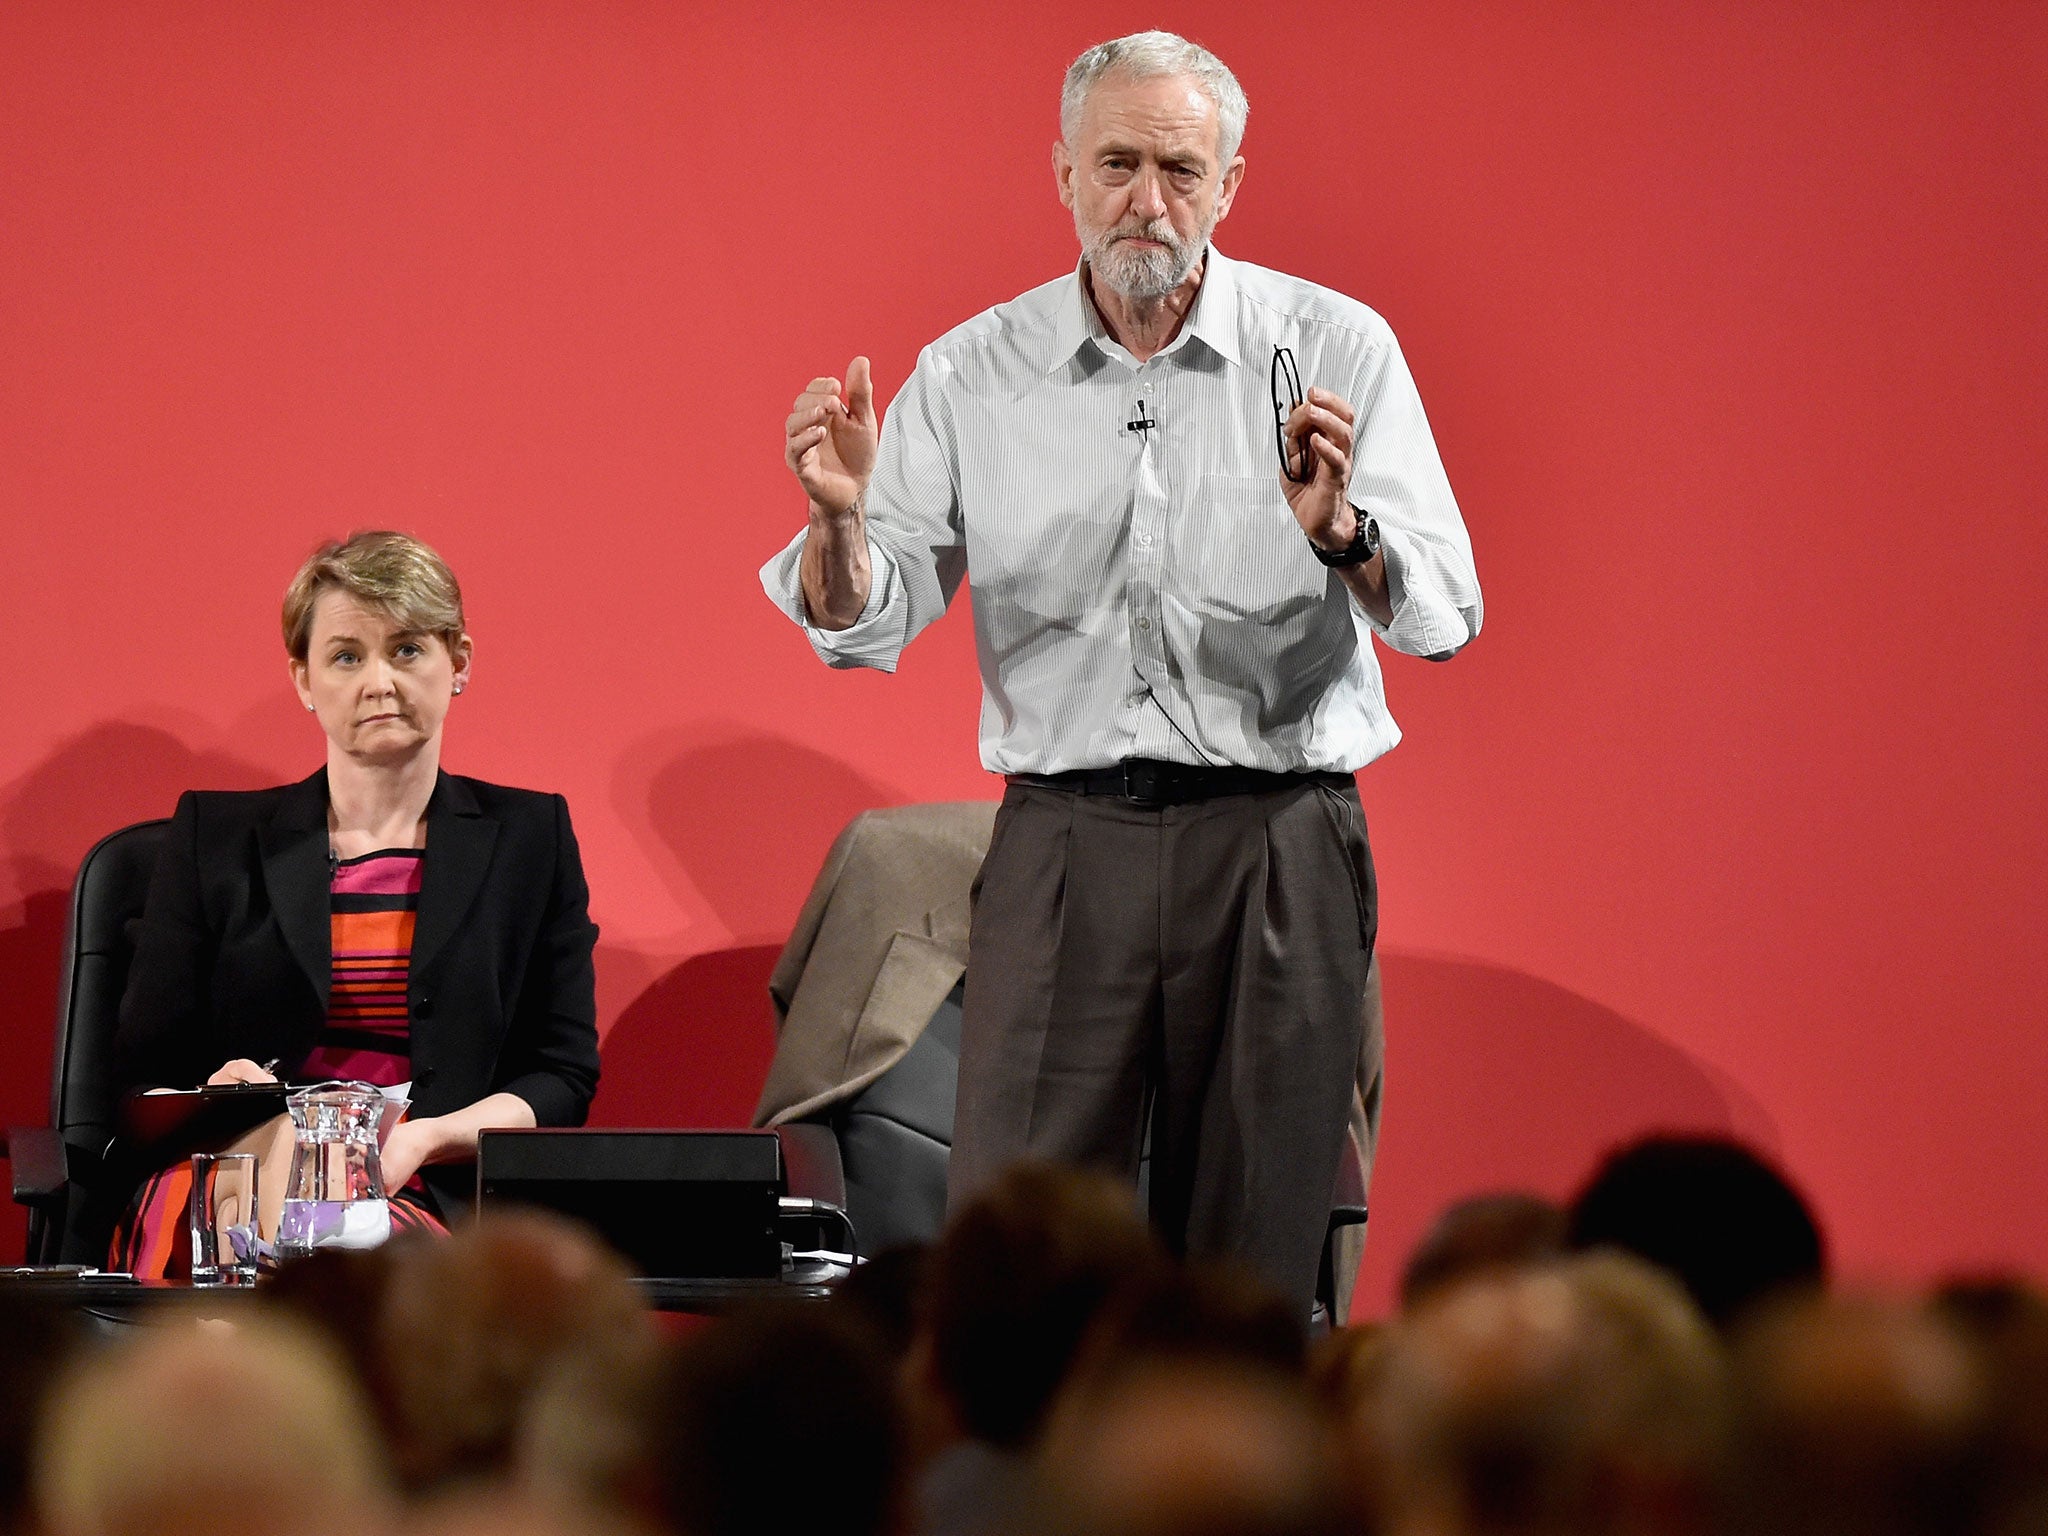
x,y
1179,561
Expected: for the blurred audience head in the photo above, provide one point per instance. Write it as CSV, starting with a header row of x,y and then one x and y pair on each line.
x,y
2003,1320
1014,1283
475,1325
882,1294
1187,1410
391,573
1855,1417
1345,1367
1714,1213
1484,1232
190,1427
587,1437
39,1340
339,1292
509,1512
1198,1311
1583,1396
1188,1444
784,1417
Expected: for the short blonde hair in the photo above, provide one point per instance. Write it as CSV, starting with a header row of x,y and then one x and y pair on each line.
x,y
393,572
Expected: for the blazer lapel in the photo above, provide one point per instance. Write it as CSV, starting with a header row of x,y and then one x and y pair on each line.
x,y
460,838
295,873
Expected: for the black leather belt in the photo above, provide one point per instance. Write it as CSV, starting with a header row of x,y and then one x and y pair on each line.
x,y
1144,781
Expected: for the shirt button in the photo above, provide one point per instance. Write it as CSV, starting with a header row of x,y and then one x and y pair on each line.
x,y
1144,623
1145,539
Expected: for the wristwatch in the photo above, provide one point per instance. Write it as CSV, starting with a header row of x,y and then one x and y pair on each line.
x,y
1365,543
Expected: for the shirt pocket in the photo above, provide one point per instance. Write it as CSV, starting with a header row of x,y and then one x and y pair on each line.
x,y
1243,555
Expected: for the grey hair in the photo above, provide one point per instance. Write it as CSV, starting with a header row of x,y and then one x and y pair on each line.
x,y
1147,56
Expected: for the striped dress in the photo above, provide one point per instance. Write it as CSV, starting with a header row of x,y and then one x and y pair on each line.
x,y
373,904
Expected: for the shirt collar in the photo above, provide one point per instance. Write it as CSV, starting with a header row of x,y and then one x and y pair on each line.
x,y
1213,321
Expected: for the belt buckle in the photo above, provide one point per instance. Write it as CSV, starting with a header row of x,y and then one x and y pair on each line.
x,y
1143,782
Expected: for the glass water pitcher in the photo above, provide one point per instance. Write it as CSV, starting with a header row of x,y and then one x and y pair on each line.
x,y
334,1195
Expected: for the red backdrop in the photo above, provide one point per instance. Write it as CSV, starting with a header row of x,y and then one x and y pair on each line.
x,y
1729,319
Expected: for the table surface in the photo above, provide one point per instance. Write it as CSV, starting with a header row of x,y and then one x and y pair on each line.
x,y
120,1295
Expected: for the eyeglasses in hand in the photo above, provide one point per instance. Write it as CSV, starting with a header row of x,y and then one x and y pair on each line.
x,y
1299,465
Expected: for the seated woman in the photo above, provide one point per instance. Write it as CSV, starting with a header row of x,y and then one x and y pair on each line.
x,y
381,920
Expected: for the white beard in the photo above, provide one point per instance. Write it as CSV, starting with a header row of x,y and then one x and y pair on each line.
x,y
1138,274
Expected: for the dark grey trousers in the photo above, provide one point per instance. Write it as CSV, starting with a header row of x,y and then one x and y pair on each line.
x,y
1205,961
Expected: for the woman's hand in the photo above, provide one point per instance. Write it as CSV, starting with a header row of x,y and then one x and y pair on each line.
x,y
412,1142
240,1070
449,1138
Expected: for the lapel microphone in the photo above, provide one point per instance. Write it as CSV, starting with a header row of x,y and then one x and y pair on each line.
x,y
1140,422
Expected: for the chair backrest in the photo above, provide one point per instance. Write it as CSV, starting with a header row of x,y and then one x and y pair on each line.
x,y
106,901
896,1136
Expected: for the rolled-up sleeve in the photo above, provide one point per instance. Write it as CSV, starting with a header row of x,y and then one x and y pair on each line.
x,y
917,550
1398,478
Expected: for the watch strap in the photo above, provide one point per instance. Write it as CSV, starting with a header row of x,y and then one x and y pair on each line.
x,y
1365,543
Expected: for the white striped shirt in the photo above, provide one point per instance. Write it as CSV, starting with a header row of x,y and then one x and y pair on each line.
x,y
1148,593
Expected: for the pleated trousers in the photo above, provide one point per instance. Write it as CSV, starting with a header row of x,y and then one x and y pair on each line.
x,y
1201,965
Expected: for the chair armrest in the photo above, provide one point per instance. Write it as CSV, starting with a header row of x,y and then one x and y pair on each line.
x,y
1347,1200
810,1161
39,1165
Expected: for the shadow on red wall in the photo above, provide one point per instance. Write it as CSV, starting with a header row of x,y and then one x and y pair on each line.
x,y
107,777
692,1049
741,823
1500,1080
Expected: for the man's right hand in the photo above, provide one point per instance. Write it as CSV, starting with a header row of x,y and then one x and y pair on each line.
x,y
832,442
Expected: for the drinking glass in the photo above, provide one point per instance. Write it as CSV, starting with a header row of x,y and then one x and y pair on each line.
x,y
223,1218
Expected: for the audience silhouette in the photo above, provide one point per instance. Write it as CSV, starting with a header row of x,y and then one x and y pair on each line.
x,y
1660,1358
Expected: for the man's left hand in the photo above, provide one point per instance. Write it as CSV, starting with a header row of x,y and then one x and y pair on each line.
x,y
1321,427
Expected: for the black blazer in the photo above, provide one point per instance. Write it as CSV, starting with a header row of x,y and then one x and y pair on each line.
x,y
233,957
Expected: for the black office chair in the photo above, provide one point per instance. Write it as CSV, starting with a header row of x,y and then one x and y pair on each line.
x,y
896,1135
59,1170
